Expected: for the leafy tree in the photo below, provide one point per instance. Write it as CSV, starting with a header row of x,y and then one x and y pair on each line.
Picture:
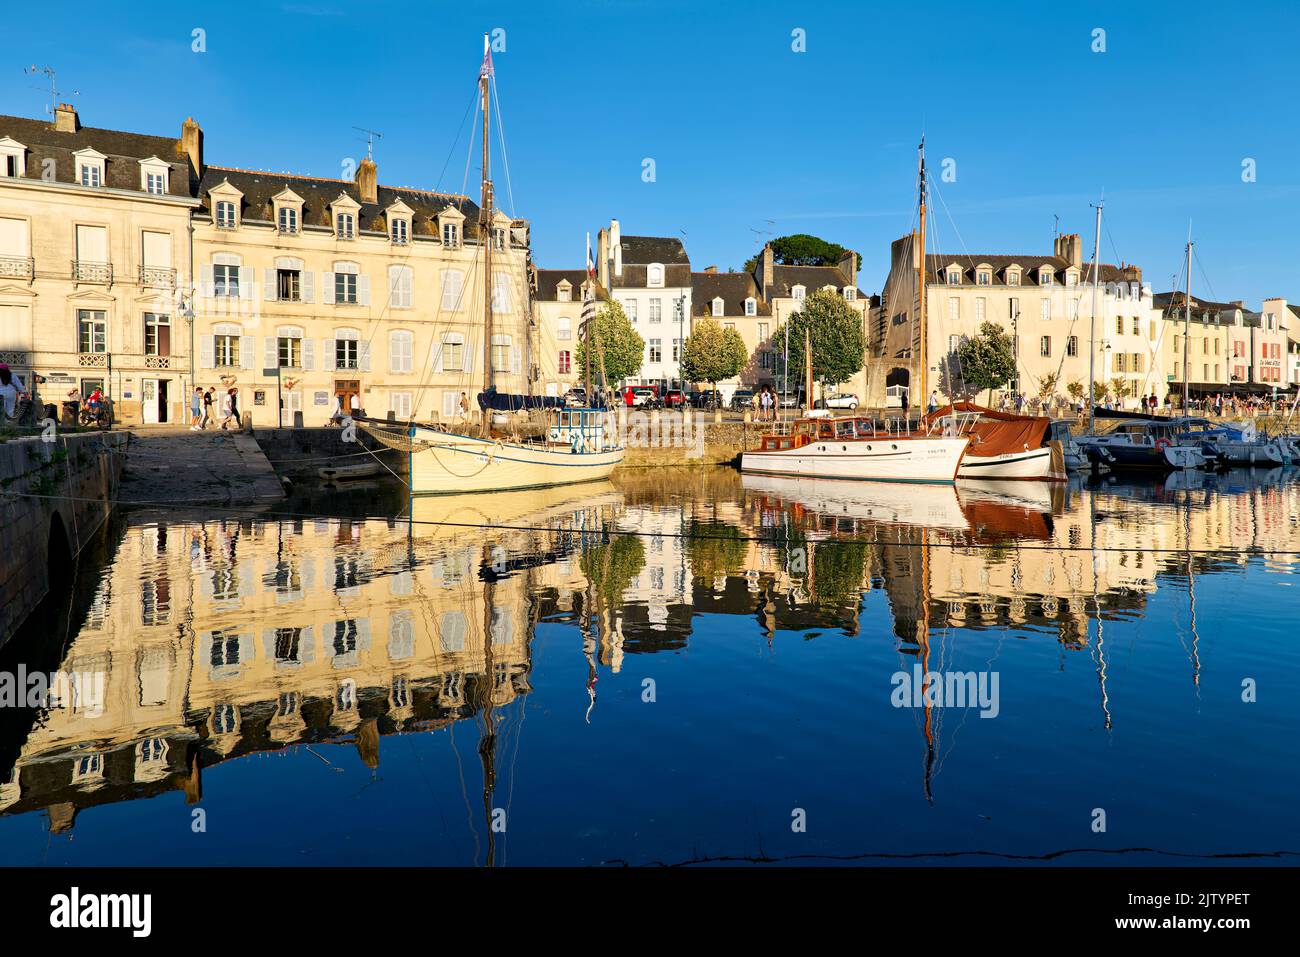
x,y
612,567
1047,387
987,359
1075,390
712,353
715,549
1119,387
622,346
802,249
835,333
1098,392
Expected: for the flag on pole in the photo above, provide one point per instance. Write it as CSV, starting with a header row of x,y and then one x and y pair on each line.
x,y
591,263
486,68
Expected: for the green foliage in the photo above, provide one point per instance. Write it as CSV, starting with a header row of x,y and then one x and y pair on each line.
x,y
611,567
802,249
987,359
835,330
715,549
712,353
622,346
1119,387
1075,389
1047,386
1098,391
839,568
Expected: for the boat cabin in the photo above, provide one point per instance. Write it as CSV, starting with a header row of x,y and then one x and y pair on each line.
x,y
583,430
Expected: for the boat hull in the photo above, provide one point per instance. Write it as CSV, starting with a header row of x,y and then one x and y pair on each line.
x,y
887,459
446,464
1034,465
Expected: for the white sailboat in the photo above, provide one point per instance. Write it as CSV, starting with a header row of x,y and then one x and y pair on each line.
x,y
579,445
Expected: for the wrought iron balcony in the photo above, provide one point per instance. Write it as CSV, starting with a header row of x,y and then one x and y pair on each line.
x,y
158,276
83,271
17,267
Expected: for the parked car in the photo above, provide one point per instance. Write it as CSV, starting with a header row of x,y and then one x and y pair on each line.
x,y
575,398
842,400
707,399
742,399
646,398
790,400
674,399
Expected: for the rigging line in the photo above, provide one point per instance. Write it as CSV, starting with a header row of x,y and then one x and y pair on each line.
x,y
447,162
256,512
1208,285
501,134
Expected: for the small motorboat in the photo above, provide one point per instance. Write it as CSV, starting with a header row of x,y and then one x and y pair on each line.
x,y
1232,443
347,473
1142,444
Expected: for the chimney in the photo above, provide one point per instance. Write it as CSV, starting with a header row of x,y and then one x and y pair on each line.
x,y
367,180
192,146
710,268
65,118
849,266
616,246
1068,246
767,276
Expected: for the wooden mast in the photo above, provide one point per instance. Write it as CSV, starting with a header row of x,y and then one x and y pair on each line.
x,y
485,227
921,299
1187,324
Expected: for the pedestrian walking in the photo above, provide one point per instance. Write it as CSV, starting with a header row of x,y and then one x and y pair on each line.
x,y
8,391
227,408
196,410
208,398
934,402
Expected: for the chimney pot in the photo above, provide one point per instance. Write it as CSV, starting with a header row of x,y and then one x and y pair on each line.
x,y
366,178
66,119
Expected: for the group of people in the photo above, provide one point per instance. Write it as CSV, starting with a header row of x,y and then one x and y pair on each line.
x,y
765,404
201,408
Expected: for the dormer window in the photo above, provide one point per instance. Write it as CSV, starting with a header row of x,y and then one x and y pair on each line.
x,y
1045,277
13,157
288,221
1013,277
984,278
850,293
225,214
90,168
719,308
564,291
655,276
954,277
1072,278
751,306
499,238
451,234
399,230
345,226
797,292
153,176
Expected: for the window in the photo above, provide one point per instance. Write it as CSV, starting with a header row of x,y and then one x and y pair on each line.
x,y
225,349
979,309
401,403
288,219
954,307
401,351
92,331
225,214
155,183
1045,309
500,292
450,234
500,353
797,293
453,354
225,281
288,285
400,232
345,225
1119,325
953,343
400,287
498,238
1013,277
656,350
13,157
850,294
718,307
345,288
564,362
764,330
563,329
655,276
1073,309
1072,278
290,351
629,307
1072,346
1045,277
451,287
1013,308
954,277
656,310
984,277
1045,346
1137,326
157,334
91,174
677,350
346,353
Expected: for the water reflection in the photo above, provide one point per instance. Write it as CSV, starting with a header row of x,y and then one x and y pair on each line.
x,y
246,635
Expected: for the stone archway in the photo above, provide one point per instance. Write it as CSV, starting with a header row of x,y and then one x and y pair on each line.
x,y
898,386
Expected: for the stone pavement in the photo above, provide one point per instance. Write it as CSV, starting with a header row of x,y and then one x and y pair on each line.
x,y
171,466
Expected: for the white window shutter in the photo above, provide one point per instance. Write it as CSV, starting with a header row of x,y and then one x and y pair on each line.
x,y
394,357
205,352
327,290
206,281
246,282
309,355
515,360
270,353
363,290
308,286
247,347
468,352
327,355
269,284
363,355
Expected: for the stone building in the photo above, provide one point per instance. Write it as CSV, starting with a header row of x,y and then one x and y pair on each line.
x,y
558,295
95,261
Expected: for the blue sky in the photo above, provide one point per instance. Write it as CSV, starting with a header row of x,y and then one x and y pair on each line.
x,y
747,136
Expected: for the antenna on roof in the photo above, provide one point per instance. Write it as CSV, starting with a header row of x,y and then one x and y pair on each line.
x,y
54,91
1056,225
371,136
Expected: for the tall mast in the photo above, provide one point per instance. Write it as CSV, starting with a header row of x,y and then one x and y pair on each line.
x,y
1187,321
1092,325
921,299
485,225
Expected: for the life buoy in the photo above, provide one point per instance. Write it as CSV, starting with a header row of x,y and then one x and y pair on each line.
x,y
1163,444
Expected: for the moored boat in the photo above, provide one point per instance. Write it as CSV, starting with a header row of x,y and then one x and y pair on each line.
x,y
854,448
1003,445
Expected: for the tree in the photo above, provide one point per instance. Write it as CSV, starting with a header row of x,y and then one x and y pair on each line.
x,y
1098,392
987,360
1119,387
1075,390
712,353
622,347
802,249
835,333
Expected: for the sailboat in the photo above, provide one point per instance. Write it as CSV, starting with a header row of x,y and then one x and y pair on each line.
x,y
579,444
854,447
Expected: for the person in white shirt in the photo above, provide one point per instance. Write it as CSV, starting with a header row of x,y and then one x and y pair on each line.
x,y
8,391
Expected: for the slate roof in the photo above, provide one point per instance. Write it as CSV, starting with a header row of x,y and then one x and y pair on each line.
x,y
812,278
318,193
733,287
123,151
1030,266
549,279
1172,303
643,250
